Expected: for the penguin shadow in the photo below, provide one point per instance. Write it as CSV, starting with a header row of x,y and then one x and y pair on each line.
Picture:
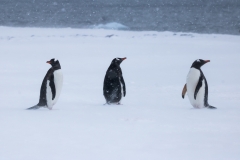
x,y
205,108
118,104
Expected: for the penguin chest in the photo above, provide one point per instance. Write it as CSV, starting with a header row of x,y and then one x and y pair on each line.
x,y
58,81
54,87
192,81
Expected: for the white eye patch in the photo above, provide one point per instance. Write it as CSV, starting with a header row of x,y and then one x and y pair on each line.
x,y
118,59
198,60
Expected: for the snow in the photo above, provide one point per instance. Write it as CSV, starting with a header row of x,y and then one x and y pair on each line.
x,y
153,122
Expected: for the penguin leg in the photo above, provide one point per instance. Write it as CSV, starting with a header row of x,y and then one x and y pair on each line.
x,y
184,90
107,103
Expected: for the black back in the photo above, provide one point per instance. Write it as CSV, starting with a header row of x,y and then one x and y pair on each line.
x,y
113,80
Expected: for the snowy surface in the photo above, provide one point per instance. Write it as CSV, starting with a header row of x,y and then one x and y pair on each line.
x,y
152,123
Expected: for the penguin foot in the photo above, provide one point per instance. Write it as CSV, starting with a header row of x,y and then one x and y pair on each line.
x,y
211,107
37,107
34,107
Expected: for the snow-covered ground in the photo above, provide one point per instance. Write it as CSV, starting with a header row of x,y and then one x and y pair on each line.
x,y
153,122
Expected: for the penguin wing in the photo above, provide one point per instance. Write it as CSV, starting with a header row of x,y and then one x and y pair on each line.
x,y
52,86
184,90
106,85
49,95
43,89
124,87
199,85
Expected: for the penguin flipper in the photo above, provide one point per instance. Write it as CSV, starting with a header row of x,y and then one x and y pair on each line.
x,y
34,107
52,86
184,90
124,86
199,85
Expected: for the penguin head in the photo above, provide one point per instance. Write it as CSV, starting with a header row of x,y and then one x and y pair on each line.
x,y
118,61
199,63
54,63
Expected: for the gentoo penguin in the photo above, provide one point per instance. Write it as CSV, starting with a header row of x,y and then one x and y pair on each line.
x,y
196,86
114,86
51,86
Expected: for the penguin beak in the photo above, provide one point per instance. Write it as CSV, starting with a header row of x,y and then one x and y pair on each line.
x,y
124,58
48,62
206,61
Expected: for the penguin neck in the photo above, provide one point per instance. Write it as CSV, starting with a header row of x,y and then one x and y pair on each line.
x,y
56,67
114,66
196,67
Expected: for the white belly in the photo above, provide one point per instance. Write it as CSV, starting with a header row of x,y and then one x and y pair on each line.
x,y
192,81
58,81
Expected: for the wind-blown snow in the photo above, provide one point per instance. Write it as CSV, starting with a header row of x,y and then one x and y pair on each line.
x,y
153,122
112,25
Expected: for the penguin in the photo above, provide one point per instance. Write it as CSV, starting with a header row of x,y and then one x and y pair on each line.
x,y
51,86
196,86
114,87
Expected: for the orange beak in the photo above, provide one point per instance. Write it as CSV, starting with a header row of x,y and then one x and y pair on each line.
x,y
124,58
48,62
206,61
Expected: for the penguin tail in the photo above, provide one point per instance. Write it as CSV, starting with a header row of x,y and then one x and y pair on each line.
x,y
33,107
211,107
